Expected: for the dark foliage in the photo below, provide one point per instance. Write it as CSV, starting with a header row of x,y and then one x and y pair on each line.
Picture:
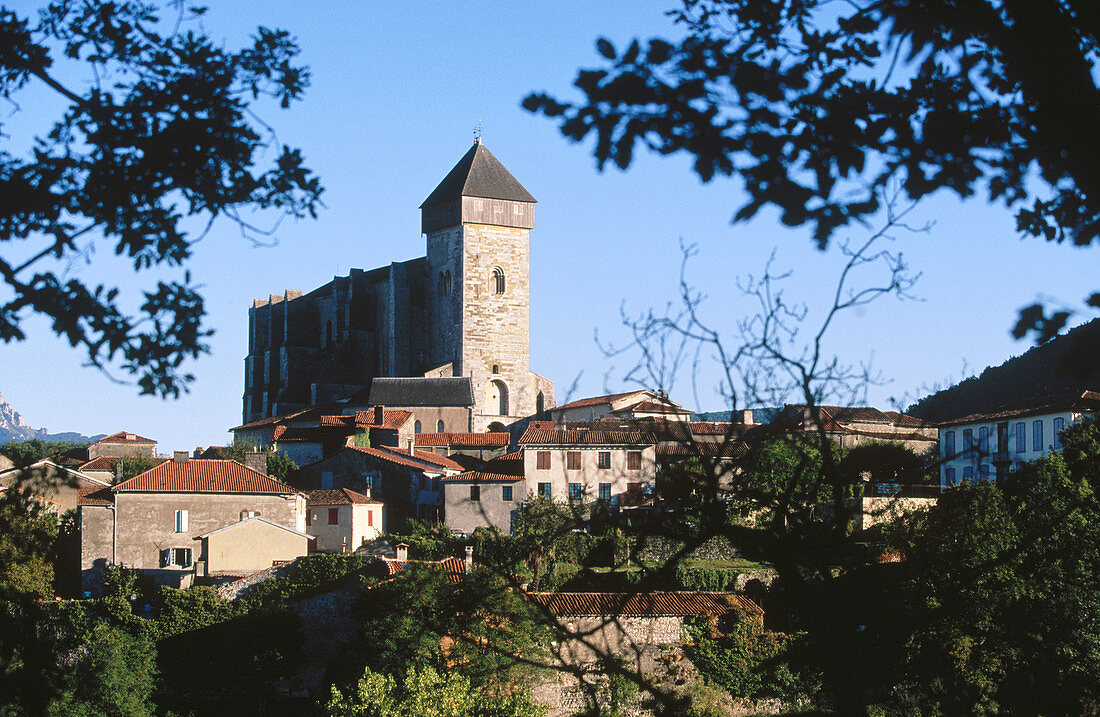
x,y
817,106
167,141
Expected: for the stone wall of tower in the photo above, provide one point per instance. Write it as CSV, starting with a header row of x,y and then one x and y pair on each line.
x,y
445,298
495,326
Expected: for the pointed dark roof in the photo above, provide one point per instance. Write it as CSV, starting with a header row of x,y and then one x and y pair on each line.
x,y
479,174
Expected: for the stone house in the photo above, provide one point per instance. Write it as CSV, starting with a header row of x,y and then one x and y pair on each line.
x,y
342,519
490,496
850,426
246,547
149,522
55,487
461,312
985,446
585,465
407,482
632,404
631,625
309,435
122,444
461,446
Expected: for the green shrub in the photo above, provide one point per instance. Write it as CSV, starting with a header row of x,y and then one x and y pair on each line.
x,y
705,579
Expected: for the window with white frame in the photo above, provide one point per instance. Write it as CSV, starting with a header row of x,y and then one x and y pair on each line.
x,y
1021,437
949,445
1059,425
1037,435
181,521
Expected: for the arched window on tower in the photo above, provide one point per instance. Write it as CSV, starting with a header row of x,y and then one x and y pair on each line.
x,y
447,283
496,397
496,283
416,427
440,427
540,404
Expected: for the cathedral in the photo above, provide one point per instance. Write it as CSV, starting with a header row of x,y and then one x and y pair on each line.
x,y
457,317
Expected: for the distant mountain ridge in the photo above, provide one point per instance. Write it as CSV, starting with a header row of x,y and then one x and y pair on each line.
x,y
1069,363
14,428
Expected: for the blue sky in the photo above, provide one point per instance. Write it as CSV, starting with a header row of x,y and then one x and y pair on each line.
x,y
397,91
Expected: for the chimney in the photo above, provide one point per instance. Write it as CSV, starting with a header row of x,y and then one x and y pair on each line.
x,y
179,456
118,471
366,490
197,453
469,559
746,417
257,461
379,415
411,451
402,551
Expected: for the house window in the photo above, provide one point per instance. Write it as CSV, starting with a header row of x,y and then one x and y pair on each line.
x,y
983,440
496,281
968,474
542,460
1059,424
633,460
968,442
1021,437
544,490
370,518
180,557
575,491
506,493
309,518
605,491
949,445
416,427
475,493
333,516
949,476
573,460
439,427
1037,436
983,471
603,459
181,521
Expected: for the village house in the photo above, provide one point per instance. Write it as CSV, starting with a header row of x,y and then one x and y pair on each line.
x,y
486,497
342,519
632,404
150,521
850,426
122,443
987,446
582,466
464,446
229,553
56,488
405,480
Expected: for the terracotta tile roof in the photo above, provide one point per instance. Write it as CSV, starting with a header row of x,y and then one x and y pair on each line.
x,y
203,475
653,407
94,495
712,450
482,476
1086,400
644,604
535,436
597,400
420,461
462,439
453,567
272,420
340,496
345,421
513,456
427,457
107,463
124,437
392,419
298,434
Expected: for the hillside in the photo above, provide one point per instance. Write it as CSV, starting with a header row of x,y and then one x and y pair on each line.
x,y
1065,364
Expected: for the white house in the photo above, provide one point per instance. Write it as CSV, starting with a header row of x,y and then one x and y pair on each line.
x,y
985,446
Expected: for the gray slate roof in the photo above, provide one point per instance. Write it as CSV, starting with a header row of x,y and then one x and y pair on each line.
x,y
479,174
457,391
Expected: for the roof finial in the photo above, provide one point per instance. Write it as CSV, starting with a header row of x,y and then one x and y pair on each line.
x,y
477,132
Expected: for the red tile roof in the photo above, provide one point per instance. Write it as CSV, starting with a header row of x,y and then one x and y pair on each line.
x,y
535,436
422,460
644,604
94,495
453,567
297,434
712,450
462,439
597,400
203,475
107,463
653,407
340,496
483,476
272,420
345,421
124,437
513,456
392,420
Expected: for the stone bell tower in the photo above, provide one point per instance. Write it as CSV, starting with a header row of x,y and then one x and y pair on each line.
x,y
477,223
